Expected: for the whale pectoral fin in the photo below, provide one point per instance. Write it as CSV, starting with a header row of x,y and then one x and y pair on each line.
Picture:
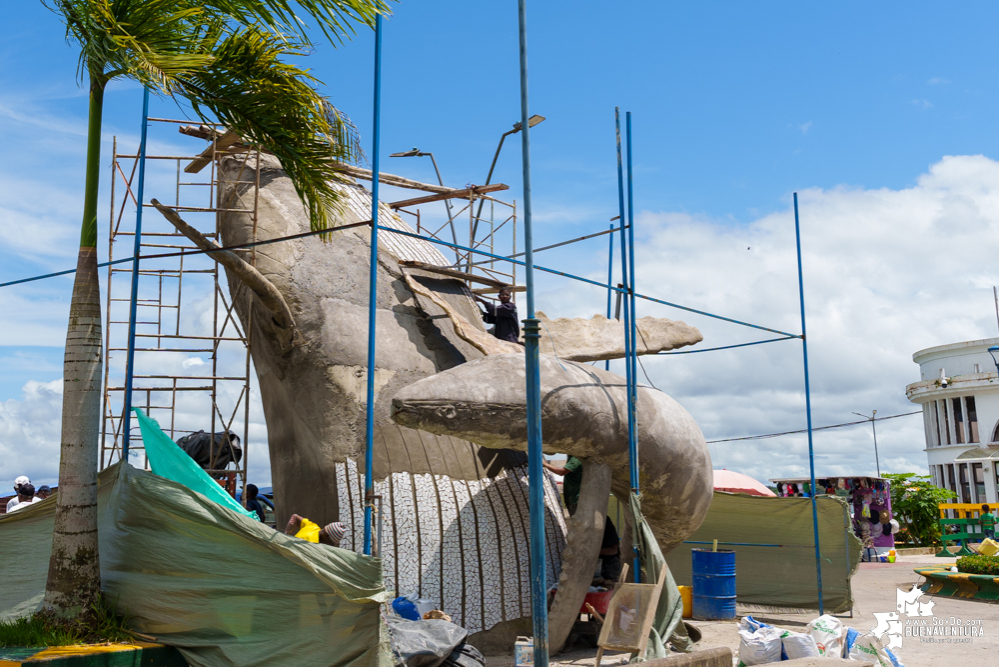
x,y
585,531
598,338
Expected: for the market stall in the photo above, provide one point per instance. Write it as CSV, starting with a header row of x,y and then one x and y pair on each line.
x,y
869,500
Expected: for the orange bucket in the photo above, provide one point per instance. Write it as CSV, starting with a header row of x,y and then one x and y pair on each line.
x,y
687,594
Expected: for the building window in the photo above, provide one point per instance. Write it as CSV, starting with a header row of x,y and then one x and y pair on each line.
x,y
969,401
978,368
930,424
979,476
944,423
965,483
958,420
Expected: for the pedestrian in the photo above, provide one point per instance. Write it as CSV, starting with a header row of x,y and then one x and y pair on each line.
x,y
25,497
256,502
43,492
987,521
572,480
503,316
20,484
610,553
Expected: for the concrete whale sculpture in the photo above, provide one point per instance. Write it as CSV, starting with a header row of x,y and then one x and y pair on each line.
x,y
455,514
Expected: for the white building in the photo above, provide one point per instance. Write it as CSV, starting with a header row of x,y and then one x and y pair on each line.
x,y
959,392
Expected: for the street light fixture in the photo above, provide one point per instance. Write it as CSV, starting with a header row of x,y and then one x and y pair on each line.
x,y
875,429
992,353
416,152
531,122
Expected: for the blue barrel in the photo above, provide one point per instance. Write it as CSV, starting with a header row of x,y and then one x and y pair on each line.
x,y
714,584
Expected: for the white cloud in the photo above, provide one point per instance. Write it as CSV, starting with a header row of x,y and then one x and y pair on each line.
x,y
29,435
886,273
921,103
804,127
937,81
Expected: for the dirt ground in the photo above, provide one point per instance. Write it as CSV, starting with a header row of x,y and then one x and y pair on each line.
x,y
874,590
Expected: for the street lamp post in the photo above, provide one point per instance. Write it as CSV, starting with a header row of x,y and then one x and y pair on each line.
x,y
531,122
875,429
416,152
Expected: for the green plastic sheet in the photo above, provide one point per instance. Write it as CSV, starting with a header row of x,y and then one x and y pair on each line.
x,y
779,576
167,459
667,627
223,588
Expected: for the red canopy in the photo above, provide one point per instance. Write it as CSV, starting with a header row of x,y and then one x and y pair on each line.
x,y
736,482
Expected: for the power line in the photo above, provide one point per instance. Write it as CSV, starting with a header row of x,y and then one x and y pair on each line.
x,y
820,428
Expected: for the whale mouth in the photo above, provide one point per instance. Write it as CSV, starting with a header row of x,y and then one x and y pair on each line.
x,y
405,409
459,418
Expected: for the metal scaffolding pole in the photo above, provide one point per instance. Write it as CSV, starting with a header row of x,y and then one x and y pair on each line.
x,y
808,407
629,343
369,432
134,300
610,278
535,471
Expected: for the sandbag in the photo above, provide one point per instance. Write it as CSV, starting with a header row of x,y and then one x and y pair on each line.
x,y
798,645
827,631
212,453
424,643
871,649
759,643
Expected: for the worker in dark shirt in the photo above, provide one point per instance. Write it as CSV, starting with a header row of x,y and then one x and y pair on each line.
x,y
610,552
255,502
502,316
572,480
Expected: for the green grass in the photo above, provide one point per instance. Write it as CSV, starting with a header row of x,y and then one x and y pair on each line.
x,y
979,565
98,625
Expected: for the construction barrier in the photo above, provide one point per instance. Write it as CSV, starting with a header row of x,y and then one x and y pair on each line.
x,y
967,516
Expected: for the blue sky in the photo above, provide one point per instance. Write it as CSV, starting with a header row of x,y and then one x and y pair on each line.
x,y
735,106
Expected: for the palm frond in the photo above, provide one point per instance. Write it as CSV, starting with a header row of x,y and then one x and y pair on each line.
x,y
274,104
334,17
148,40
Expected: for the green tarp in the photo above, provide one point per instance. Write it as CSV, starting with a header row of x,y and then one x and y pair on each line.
x,y
222,587
168,460
782,576
667,627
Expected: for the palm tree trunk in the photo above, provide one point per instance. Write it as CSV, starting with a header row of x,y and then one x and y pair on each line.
x,y
74,580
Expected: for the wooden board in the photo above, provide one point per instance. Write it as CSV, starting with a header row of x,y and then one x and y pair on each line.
x,y
205,157
635,637
454,273
453,194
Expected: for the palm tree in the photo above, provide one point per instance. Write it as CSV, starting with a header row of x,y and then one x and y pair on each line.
x,y
224,57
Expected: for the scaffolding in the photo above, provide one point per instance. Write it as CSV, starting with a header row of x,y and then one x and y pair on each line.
x,y
185,315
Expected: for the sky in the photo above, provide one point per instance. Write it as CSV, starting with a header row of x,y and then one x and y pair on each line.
x,y
880,117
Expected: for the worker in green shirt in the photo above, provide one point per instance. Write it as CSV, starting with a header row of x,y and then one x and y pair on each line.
x,y
572,479
988,522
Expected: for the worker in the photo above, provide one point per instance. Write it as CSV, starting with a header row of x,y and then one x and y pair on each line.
x,y
572,479
43,492
610,552
503,317
255,502
302,528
